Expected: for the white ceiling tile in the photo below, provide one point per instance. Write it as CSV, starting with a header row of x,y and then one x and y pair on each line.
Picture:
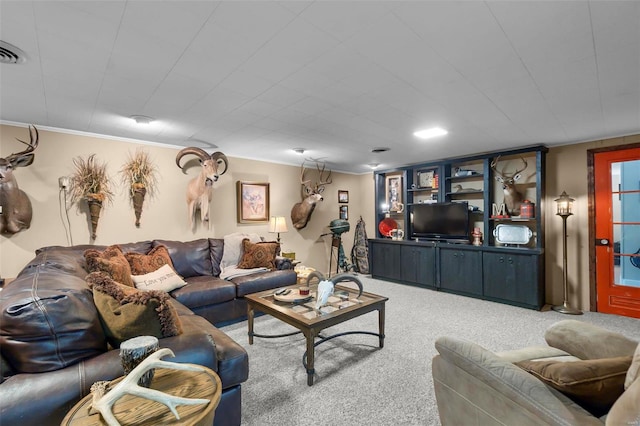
x,y
300,43
256,21
247,83
338,77
280,96
172,22
344,19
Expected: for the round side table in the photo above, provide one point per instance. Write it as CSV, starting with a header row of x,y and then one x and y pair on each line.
x,y
133,410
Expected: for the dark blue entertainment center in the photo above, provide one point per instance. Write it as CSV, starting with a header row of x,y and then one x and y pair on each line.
x,y
443,206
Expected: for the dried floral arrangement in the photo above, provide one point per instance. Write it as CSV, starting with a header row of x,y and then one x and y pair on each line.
x,y
91,182
139,175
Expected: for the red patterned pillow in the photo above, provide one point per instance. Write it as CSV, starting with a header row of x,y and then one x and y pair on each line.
x,y
145,263
111,261
259,255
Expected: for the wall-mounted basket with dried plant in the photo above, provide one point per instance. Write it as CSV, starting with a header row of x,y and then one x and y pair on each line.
x,y
91,182
139,175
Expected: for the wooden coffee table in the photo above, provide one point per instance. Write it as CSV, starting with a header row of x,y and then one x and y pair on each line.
x,y
342,306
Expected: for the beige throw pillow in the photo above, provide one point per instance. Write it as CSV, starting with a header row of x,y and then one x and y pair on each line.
x,y
164,279
595,384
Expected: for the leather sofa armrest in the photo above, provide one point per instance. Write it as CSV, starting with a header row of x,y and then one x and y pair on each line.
x,y
588,341
283,263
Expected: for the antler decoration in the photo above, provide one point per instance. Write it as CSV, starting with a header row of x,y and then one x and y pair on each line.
x,y
103,401
326,287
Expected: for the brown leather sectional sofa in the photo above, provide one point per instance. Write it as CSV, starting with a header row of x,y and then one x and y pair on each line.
x,y
53,347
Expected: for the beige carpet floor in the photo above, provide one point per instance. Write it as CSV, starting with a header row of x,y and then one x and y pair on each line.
x,y
359,384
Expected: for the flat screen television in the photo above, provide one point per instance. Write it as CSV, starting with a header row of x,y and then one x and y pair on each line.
x,y
440,221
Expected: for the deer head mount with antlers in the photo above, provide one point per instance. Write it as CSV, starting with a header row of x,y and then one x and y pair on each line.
x,y
512,196
311,194
16,210
200,188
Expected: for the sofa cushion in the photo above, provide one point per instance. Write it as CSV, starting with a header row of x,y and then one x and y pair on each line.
x,y
69,259
144,263
258,255
111,261
190,259
127,312
204,291
216,250
263,281
164,279
595,384
633,374
48,321
626,409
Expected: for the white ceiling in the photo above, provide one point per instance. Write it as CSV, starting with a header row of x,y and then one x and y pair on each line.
x,y
338,78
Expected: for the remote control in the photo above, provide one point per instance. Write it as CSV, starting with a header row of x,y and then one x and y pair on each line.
x,y
280,291
287,291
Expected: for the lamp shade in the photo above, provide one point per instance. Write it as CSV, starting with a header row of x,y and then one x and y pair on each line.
x,y
277,224
564,204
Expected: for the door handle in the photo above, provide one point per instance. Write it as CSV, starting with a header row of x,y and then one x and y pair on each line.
x,y
602,242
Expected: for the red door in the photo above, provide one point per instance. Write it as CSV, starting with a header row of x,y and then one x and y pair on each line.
x,y
617,230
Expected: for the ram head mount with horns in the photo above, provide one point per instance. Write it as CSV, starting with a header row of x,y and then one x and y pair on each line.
x,y
200,188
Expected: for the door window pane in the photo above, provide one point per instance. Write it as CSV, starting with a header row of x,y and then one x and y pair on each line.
x,y
625,178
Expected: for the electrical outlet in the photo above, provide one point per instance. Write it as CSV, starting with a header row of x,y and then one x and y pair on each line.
x,y
63,182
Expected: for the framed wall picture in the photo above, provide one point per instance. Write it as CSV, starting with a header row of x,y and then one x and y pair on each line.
x,y
425,179
343,196
394,193
344,212
253,202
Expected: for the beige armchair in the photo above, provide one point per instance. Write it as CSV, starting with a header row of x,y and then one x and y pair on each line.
x,y
474,386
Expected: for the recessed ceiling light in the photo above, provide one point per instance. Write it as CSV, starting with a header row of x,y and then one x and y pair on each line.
x,y
298,151
430,133
373,166
380,149
142,119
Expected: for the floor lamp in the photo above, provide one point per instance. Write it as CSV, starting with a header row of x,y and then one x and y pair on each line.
x,y
564,205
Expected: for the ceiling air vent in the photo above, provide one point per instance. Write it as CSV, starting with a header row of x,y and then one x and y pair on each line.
x,y
379,150
9,54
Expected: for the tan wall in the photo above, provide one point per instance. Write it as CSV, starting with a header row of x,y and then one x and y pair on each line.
x,y
567,171
165,216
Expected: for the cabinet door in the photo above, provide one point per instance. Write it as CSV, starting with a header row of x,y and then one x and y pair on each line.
x,y
461,271
513,278
418,265
385,260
